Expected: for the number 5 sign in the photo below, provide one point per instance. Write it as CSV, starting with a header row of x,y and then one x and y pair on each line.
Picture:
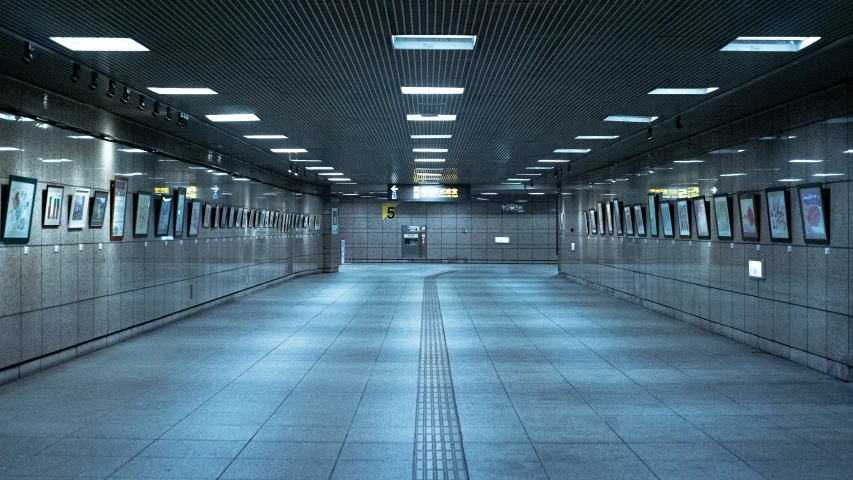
x,y
389,210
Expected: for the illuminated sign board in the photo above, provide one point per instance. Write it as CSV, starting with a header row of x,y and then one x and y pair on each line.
x,y
192,192
672,193
501,239
429,193
756,269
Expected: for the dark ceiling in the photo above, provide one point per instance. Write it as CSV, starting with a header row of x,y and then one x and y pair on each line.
x,y
325,74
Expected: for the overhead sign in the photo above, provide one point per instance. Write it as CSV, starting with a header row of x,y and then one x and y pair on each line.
x,y
429,193
389,210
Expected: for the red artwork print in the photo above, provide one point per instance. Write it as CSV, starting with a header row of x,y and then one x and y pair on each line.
x,y
813,215
750,216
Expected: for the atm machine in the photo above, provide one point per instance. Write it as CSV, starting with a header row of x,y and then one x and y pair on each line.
x,y
414,242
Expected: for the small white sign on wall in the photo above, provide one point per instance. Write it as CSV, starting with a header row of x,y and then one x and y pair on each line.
x,y
756,269
501,239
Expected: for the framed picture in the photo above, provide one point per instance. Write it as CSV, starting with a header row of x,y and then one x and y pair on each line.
x,y
245,220
223,216
164,215
629,222
232,216
52,206
617,218
666,219
20,203
586,218
215,216
682,207
195,218
749,217
639,220
180,208
79,208
701,218
608,208
590,218
653,215
142,215
778,214
723,214
118,207
208,212
99,209
600,219
814,208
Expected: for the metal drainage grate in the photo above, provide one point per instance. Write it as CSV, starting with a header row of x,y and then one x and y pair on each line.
x,y
438,440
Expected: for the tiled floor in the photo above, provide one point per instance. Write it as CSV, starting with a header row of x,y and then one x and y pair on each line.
x,y
317,378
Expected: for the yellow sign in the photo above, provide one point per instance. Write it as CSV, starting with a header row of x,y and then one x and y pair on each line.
x,y
192,192
161,190
424,192
389,210
673,193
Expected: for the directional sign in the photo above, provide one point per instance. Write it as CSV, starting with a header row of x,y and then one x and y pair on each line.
x,y
429,193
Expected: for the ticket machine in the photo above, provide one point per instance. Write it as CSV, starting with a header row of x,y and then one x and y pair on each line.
x,y
414,242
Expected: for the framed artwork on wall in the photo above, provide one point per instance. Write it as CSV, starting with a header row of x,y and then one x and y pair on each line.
x,y
617,217
723,214
232,216
164,215
20,204
195,219
142,215
586,218
778,214
180,208
223,217
118,207
683,209
208,212
590,218
52,206
217,213
99,209
653,215
79,208
608,210
814,209
629,222
701,218
749,217
666,219
600,219
640,220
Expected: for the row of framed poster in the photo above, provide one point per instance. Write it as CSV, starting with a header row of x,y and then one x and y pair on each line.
x,y
614,218
20,199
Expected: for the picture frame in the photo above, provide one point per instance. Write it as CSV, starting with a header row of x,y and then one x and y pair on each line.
x,y
653,215
601,229
701,218
629,222
232,215
778,214
216,213
666,219
609,211
98,209
19,205
223,216
142,214
723,215
208,212
164,215
180,209
682,209
52,206
195,218
586,221
639,220
814,211
118,208
617,218
78,210
750,218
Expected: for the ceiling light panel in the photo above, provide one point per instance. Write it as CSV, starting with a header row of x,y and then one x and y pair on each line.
x,y
431,137
572,150
330,174
99,44
432,90
769,44
552,161
683,91
182,91
319,168
235,117
630,119
429,150
288,150
429,160
434,42
264,137
596,137
430,118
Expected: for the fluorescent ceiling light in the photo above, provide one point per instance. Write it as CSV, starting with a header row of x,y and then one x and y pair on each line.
x,y
432,90
510,183
828,175
779,137
319,168
427,160
790,179
131,150
219,174
166,160
805,160
553,161
331,174
732,174
9,149
56,160
429,150
528,174
198,168
689,161
769,44
517,179
848,151
536,193
288,150
596,137
264,137
433,42
182,91
347,183
572,150
305,161
538,168
488,193
682,91
350,194
241,179
339,179
420,174
629,118
729,150
431,118
81,137
99,44
415,137
134,174
235,117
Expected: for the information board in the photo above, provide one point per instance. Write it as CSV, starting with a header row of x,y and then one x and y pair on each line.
x,y
429,193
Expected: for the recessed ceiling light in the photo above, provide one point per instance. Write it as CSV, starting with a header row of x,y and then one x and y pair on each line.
x,y
264,137
182,91
488,193
81,137
235,117
689,161
9,149
56,160
778,137
517,179
339,179
769,44
536,193
805,160
553,161
415,137
828,175
305,161
429,150
596,137
198,168
319,168
421,174
729,150
432,90
431,118
347,183
433,42
629,118
99,44
790,179
350,194
131,150
732,174
528,174
539,168
288,150
682,91
429,160
219,174
848,151
241,179
510,183
572,150
331,174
